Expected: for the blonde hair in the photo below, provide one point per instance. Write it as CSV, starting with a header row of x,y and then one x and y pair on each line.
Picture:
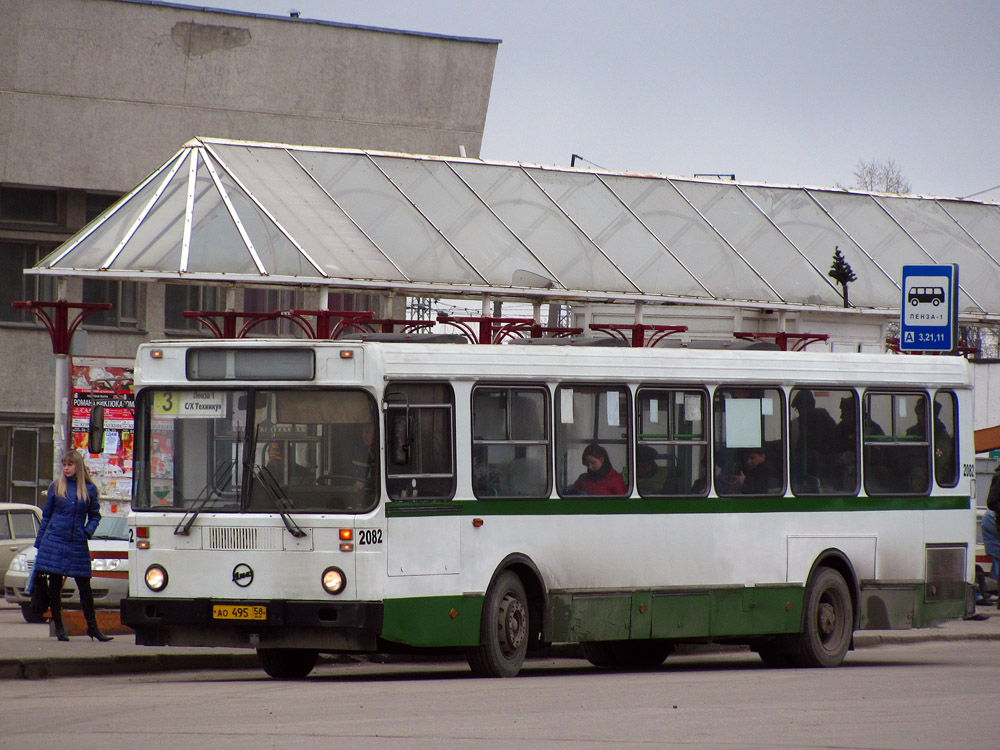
x,y
76,458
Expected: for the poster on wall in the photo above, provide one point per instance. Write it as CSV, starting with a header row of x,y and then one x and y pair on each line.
x,y
106,381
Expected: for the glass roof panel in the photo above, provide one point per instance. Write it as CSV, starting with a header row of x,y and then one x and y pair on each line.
x,y
817,237
393,224
690,239
748,230
276,252
99,244
156,244
982,222
216,244
459,215
939,235
876,233
622,237
541,226
307,214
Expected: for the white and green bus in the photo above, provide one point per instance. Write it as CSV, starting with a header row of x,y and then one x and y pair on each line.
x,y
305,497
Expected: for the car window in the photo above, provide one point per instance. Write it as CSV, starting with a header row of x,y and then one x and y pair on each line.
x,y
4,526
112,527
24,524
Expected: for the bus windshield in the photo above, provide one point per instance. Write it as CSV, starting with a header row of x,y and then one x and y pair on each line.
x,y
255,450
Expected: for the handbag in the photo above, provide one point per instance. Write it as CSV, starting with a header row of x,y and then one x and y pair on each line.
x,y
39,591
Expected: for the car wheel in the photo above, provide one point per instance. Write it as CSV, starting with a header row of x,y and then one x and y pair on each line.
x,y
29,614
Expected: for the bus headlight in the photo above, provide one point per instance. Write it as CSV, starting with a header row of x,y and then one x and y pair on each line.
x,y
156,577
334,580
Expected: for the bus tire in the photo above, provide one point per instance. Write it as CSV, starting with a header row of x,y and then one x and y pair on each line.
x,y
637,654
598,653
776,653
505,629
827,621
288,663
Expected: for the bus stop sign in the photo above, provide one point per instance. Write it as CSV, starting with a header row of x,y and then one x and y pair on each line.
x,y
929,311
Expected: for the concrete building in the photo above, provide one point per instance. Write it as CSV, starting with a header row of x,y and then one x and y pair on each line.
x,y
95,94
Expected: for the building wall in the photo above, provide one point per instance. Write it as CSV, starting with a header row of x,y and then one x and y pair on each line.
x,y
96,93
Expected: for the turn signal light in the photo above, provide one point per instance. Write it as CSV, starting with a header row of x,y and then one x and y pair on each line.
x,y
346,535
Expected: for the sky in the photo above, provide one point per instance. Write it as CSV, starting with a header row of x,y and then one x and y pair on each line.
x,y
789,92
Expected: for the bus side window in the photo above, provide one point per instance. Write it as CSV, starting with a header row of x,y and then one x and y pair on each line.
x,y
896,444
671,456
945,429
749,441
420,447
510,445
823,451
593,435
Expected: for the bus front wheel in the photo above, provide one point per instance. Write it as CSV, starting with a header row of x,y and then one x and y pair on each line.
x,y
504,634
827,621
288,663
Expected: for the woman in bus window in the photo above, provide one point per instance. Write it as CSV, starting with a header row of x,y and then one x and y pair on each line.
x,y
600,477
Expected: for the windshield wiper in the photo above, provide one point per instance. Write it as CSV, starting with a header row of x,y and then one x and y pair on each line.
x,y
274,491
221,478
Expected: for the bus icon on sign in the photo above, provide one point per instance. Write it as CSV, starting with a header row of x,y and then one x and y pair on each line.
x,y
923,294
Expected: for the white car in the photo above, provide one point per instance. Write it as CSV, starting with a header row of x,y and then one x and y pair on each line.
x,y
18,527
109,566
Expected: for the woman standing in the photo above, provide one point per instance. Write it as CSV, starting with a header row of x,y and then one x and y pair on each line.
x,y
70,517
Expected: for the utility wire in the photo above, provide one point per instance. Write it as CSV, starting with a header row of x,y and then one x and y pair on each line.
x,y
973,195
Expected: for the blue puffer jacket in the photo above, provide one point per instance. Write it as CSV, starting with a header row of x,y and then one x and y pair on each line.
x,y
67,524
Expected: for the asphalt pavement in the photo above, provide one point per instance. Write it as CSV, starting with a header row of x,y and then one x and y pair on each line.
x,y
31,652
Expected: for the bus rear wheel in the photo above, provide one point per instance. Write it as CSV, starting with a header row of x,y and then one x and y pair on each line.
x,y
827,621
288,663
504,634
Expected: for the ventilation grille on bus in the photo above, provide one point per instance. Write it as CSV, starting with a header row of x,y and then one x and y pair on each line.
x,y
242,538
946,568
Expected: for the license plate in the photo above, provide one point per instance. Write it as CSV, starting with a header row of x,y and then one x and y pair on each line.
x,y
239,612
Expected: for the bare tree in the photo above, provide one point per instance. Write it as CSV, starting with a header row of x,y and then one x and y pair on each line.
x,y
880,176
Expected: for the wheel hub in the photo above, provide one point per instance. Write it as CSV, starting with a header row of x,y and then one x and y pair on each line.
x,y
511,621
827,616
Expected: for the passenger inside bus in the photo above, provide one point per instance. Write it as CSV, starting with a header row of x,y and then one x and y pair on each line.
x,y
650,477
600,477
759,475
845,451
361,464
812,440
297,473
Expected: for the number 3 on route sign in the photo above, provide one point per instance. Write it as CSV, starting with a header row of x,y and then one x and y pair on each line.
x,y
929,310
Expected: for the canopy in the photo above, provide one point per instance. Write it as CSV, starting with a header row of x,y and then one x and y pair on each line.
x,y
263,213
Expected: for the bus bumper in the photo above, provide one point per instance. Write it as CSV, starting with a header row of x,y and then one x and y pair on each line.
x,y
321,625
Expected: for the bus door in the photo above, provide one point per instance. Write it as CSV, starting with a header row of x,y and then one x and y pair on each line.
x,y
422,523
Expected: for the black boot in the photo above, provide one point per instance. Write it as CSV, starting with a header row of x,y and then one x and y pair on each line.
x,y
55,605
87,603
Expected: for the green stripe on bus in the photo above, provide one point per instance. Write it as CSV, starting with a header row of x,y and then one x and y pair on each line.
x,y
736,612
634,506
432,621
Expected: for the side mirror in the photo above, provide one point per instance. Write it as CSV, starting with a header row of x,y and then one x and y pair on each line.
x,y
399,437
95,437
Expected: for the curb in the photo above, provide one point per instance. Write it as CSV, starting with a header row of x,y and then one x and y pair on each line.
x,y
42,668
870,640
